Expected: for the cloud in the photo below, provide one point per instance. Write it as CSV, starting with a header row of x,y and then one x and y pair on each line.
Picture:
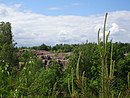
x,y
31,29
64,36
18,5
3,12
54,8
114,28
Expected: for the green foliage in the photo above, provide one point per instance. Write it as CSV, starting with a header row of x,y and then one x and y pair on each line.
x,y
7,50
43,47
92,71
8,59
33,81
123,67
26,56
62,48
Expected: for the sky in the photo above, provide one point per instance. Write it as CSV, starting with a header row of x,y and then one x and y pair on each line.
x,y
35,22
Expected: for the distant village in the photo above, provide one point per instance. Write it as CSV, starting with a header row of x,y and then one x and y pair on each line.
x,y
47,57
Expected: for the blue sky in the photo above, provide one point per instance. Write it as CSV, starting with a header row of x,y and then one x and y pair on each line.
x,y
71,7
35,22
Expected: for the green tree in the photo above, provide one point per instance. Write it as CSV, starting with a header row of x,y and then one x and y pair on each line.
x,y
7,59
44,47
7,50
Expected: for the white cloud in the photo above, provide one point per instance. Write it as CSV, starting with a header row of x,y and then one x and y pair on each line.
x,y
34,29
18,5
54,8
114,28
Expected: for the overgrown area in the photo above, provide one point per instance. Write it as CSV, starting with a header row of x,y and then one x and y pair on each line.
x,y
93,70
